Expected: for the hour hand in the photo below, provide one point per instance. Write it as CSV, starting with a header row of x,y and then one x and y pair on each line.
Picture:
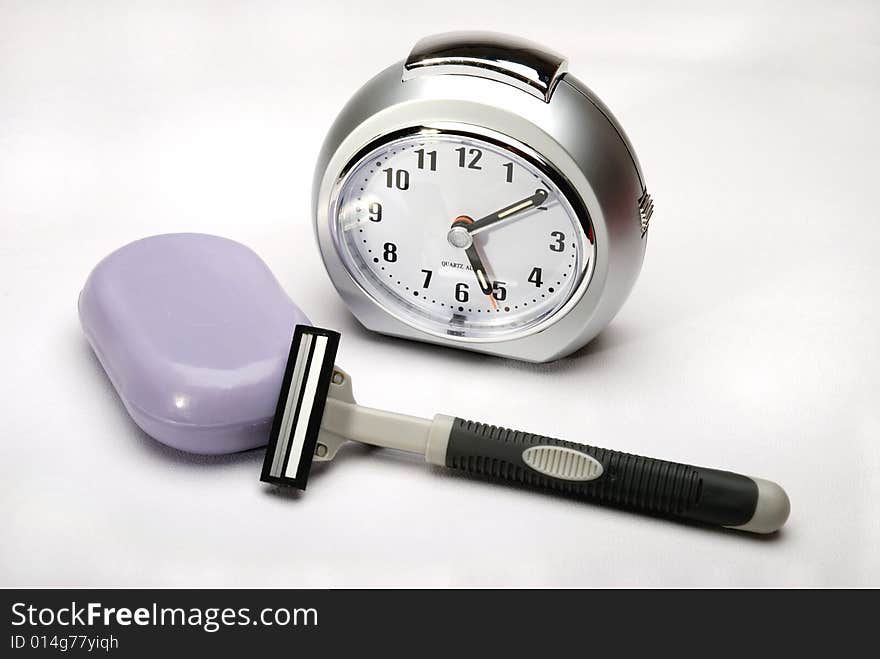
x,y
515,208
473,256
460,237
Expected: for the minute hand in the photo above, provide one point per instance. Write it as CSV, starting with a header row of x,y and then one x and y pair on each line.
x,y
516,208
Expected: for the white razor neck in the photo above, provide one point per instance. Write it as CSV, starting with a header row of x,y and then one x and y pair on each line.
x,y
376,427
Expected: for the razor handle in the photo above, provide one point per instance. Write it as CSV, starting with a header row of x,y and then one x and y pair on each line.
x,y
613,478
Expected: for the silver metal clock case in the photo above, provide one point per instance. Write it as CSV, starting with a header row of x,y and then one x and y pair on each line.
x,y
520,93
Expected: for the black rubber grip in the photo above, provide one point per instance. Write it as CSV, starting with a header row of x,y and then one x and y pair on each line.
x,y
633,482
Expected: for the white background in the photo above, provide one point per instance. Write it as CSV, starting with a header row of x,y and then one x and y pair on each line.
x,y
751,341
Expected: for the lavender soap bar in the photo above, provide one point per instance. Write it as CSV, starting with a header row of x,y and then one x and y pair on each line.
x,y
193,332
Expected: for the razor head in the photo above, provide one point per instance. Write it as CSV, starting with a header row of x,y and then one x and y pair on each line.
x,y
300,407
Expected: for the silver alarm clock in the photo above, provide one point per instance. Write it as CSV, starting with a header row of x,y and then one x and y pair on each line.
x,y
476,195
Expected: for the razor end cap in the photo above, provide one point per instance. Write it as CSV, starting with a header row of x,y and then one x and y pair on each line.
x,y
771,511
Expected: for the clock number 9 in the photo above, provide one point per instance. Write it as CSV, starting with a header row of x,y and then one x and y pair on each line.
x,y
375,211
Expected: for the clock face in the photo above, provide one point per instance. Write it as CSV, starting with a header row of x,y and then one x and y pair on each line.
x,y
461,236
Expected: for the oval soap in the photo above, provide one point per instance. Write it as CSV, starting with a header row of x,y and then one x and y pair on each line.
x,y
194,332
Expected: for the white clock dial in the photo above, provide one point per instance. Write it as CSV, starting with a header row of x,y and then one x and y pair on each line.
x,y
461,236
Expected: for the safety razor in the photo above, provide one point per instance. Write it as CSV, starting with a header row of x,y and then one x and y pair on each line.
x,y
316,414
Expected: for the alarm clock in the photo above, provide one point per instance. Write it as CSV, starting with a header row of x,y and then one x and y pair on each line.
x,y
477,195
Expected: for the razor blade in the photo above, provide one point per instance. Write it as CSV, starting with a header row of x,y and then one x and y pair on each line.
x,y
316,414
300,408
